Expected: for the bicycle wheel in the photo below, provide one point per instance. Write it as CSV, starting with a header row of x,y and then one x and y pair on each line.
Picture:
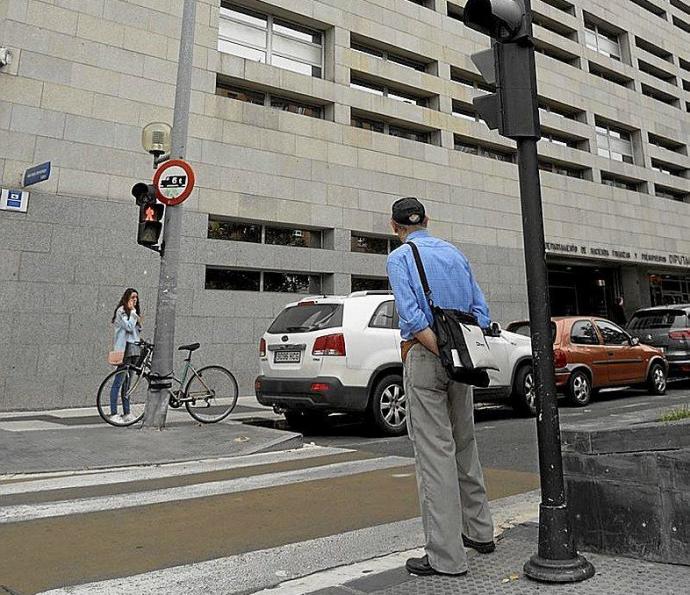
x,y
122,396
213,392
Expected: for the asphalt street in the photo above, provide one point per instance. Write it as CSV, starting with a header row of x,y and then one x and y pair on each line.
x,y
505,439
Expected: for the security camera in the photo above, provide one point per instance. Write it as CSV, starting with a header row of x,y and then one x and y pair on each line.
x,y
5,57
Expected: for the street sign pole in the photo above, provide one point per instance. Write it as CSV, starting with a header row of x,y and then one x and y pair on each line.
x,y
164,335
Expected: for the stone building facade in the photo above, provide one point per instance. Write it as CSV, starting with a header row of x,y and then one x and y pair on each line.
x,y
309,117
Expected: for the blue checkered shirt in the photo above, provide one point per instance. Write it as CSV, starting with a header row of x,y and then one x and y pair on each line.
x,y
450,279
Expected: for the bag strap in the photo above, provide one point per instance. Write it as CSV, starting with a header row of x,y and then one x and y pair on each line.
x,y
422,272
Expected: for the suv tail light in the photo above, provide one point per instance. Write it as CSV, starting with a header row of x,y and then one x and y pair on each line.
x,y
680,335
560,359
262,348
329,345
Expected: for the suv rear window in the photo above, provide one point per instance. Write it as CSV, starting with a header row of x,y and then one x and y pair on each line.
x,y
661,319
307,318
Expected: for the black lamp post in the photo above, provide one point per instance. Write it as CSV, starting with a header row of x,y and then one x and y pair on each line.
x,y
514,111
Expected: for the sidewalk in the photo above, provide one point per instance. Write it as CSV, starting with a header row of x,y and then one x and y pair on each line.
x,y
77,439
500,572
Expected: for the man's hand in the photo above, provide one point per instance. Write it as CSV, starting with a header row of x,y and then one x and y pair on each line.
x,y
427,337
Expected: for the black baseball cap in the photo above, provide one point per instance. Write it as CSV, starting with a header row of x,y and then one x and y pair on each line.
x,y
408,211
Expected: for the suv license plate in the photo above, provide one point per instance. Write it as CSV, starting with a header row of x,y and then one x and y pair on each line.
x,y
287,357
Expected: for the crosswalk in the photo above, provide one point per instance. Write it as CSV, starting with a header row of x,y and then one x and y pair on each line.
x,y
143,529
88,526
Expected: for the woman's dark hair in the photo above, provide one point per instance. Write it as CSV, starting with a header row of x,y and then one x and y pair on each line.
x,y
124,300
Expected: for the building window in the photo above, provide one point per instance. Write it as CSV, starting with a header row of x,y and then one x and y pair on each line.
x,y
601,40
291,283
233,280
554,26
668,168
546,106
556,167
556,53
290,236
393,130
566,7
368,244
556,138
269,281
369,284
666,143
387,55
263,38
466,112
465,145
652,70
385,90
653,49
617,182
660,95
651,7
268,99
221,228
470,81
614,142
610,75
670,193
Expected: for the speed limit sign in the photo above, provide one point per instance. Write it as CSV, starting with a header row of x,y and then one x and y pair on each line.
x,y
174,182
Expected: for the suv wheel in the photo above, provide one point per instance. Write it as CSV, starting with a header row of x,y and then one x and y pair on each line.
x,y
388,406
579,388
656,379
524,395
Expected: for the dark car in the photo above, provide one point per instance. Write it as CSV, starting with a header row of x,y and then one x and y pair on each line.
x,y
668,328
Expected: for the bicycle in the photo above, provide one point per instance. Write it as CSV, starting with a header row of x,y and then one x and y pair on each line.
x,y
209,395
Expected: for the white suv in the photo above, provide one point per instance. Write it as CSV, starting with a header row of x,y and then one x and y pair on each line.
x,y
331,354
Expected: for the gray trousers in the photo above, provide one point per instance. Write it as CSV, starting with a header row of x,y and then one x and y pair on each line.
x,y
452,495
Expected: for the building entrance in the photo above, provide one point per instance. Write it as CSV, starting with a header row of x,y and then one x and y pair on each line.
x,y
581,289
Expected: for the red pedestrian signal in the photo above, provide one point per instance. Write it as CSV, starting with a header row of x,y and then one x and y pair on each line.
x,y
151,214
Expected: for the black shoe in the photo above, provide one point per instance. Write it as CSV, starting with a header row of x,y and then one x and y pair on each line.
x,y
421,567
483,547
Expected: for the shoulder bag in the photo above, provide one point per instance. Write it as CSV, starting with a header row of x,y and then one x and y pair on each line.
x,y
463,349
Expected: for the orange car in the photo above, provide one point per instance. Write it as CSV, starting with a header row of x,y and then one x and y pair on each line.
x,y
591,353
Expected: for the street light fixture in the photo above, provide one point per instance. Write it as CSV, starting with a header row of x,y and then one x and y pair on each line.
x,y
156,138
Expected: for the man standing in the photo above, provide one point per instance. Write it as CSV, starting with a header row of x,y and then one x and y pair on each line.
x,y
440,418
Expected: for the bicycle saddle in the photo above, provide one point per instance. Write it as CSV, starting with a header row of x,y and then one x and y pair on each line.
x,y
190,347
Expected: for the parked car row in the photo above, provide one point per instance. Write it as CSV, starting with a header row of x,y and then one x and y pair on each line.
x,y
331,354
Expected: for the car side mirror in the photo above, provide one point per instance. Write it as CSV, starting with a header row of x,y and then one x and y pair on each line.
x,y
634,341
495,329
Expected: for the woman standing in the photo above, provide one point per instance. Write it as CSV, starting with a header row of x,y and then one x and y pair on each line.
x,y
127,322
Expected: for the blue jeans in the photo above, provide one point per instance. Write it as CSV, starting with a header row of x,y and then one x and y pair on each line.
x,y
121,382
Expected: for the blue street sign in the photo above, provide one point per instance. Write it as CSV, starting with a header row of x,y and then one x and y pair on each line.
x,y
14,200
37,173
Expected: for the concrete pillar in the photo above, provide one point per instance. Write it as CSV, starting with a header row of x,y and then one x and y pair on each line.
x,y
635,289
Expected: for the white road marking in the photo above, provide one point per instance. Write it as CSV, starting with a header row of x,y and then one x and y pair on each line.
x,y
10,514
42,482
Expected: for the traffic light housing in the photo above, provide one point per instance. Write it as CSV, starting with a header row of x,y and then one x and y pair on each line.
x,y
150,215
513,110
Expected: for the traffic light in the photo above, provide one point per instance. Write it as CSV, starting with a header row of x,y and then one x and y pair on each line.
x,y
150,215
513,110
